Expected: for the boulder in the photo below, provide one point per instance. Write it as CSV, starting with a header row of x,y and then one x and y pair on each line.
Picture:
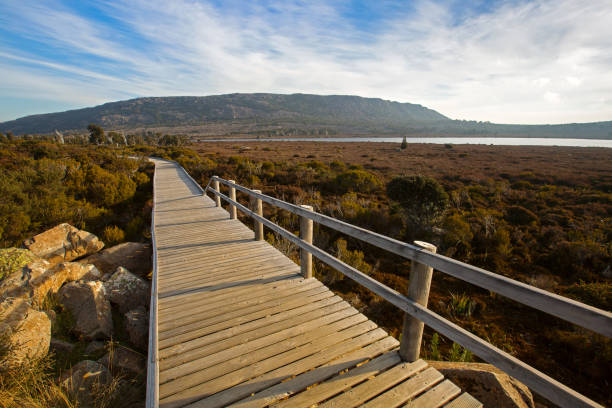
x,y
86,379
94,347
61,347
89,305
489,385
27,333
127,290
53,279
19,268
123,360
63,243
134,256
137,327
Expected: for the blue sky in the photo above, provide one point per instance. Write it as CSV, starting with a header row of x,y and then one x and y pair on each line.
x,y
505,61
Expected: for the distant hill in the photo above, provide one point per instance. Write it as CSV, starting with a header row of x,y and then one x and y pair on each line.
x,y
200,110
285,115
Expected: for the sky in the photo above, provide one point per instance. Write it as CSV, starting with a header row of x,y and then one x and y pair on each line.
x,y
507,61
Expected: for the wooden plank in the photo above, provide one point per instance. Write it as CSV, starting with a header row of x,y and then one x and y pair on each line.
x,y
203,311
369,389
202,347
341,382
406,390
465,400
303,381
199,330
436,397
260,382
249,355
183,325
321,307
230,293
259,339
261,367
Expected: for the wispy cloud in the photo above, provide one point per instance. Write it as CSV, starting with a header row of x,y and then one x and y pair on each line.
x,y
516,62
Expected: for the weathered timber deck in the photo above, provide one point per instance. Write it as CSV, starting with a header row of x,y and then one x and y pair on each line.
x,y
238,325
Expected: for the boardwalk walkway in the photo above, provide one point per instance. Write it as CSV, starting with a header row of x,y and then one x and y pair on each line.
x,y
237,323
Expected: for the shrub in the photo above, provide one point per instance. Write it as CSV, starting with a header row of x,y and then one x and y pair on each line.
x,y
356,180
423,198
517,215
13,259
113,235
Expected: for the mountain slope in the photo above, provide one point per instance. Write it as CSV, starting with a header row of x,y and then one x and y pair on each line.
x,y
193,110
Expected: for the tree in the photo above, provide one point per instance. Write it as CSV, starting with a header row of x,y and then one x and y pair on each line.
x,y
404,144
96,134
423,200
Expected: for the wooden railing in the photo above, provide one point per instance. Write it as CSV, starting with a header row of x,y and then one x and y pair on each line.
x,y
424,260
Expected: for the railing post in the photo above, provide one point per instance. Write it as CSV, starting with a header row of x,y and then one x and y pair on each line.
x,y
257,206
306,235
418,290
216,188
232,196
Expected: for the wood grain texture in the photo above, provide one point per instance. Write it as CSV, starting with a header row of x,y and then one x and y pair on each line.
x,y
235,322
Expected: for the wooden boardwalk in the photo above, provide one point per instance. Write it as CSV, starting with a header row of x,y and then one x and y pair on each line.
x,y
238,325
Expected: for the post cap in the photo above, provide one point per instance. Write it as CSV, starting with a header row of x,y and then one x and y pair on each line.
x,y
306,207
231,181
426,246
256,191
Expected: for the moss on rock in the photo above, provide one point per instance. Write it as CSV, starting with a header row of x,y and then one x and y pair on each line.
x,y
13,259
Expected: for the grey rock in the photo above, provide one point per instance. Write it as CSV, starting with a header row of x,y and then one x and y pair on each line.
x,y
127,291
28,332
61,347
134,256
123,360
84,379
63,243
94,347
89,305
137,327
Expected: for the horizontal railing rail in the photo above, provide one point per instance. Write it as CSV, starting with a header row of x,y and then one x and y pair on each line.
x,y
575,312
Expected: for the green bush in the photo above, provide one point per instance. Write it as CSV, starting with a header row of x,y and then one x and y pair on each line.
x,y
112,235
359,181
423,199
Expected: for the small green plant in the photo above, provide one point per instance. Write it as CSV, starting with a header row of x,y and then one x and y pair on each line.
x,y
458,353
13,259
461,305
113,235
434,348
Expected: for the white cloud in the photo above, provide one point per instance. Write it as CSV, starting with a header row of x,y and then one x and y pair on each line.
x,y
525,62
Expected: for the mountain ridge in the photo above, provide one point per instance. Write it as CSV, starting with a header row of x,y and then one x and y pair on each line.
x,y
284,115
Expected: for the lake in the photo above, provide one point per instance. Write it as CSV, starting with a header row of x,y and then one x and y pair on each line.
x,y
501,141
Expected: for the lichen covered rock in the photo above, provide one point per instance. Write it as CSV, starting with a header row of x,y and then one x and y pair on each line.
x,y
134,256
26,331
63,243
89,305
127,291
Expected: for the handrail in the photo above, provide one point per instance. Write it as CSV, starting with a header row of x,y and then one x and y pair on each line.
x,y
152,392
589,317
546,386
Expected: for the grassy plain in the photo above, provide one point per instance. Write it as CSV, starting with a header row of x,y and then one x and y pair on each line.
x,y
541,215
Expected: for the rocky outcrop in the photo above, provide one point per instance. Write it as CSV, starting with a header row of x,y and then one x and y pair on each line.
x,y
13,259
127,291
27,332
16,284
53,279
489,385
137,327
63,243
86,379
89,305
123,360
134,256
